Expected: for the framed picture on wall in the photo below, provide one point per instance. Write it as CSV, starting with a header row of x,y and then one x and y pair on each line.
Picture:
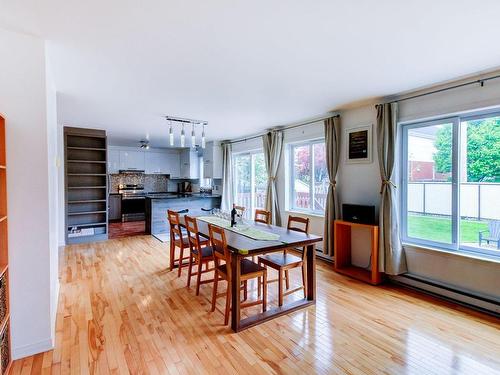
x,y
359,144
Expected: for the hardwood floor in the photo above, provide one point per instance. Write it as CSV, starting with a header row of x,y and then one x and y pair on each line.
x,y
127,229
121,312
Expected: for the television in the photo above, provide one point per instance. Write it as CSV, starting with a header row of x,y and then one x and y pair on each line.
x,y
356,213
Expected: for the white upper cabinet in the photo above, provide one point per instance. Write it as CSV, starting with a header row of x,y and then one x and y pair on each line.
x,y
154,161
113,161
172,162
190,167
132,160
212,160
164,162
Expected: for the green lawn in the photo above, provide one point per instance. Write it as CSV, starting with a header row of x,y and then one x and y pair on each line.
x,y
439,228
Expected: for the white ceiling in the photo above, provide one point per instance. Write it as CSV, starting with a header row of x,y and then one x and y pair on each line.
x,y
245,66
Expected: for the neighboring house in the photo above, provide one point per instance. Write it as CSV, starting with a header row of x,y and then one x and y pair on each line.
x,y
421,150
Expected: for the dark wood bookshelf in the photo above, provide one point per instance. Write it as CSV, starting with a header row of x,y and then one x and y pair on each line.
x,y
86,148
86,213
86,161
87,201
86,185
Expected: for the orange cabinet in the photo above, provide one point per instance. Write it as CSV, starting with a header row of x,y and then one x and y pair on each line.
x,y
342,251
5,347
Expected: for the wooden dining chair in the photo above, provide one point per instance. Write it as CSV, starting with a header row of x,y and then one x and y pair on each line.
x,y
209,211
178,239
249,270
240,210
283,262
200,255
262,216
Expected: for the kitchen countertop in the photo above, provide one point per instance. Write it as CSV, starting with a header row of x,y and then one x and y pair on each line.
x,y
181,195
172,195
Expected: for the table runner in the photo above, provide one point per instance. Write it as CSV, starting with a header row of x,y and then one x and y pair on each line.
x,y
245,230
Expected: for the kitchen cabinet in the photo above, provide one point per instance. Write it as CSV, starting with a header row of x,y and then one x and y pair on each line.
x,y
156,210
131,160
173,164
113,161
212,160
152,161
115,207
166,162
154,164
189,164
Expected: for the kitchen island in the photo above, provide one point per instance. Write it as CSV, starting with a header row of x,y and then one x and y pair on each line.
x,y
157,206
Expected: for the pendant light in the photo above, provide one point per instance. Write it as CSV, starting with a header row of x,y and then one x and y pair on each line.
x,y
203,136
183,137
183,122
193,137
171,135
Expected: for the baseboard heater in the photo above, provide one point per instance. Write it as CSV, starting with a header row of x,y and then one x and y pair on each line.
x,y
479,303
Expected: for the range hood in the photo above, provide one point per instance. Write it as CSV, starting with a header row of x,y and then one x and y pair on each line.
x,y
131,171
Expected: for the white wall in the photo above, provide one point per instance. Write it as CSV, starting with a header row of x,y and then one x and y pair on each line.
x,y
32,252
55,202
360,183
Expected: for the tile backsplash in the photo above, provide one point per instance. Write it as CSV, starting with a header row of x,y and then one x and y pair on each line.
x,y
151,182
156,182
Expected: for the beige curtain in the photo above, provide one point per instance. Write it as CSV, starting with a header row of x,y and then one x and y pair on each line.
x,y
273,148
392,258
227,178
332,210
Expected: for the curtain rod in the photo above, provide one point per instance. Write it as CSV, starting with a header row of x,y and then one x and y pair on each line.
x,y
480,81
291,126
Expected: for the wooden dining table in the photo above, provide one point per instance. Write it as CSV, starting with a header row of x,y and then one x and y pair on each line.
x,y
242,246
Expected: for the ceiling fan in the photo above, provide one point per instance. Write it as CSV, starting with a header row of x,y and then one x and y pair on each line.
x,y
144,145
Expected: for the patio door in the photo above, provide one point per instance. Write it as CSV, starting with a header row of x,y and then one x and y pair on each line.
x,y
250,181
451,183
429,176
479,184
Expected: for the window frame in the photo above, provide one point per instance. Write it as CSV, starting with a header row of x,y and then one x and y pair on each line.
x,y
456,120
291,170
251,154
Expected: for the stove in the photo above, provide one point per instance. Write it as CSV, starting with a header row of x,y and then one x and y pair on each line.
x,y
131,190
133,202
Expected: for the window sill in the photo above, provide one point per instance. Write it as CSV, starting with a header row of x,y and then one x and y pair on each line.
x,y
306,213
460,253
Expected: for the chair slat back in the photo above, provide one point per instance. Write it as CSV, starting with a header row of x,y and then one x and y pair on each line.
x,y
494,228
175,226
262,216
240,210
193,233
298,224
219,246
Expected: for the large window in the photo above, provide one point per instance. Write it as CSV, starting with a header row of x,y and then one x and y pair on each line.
x,y
250,181
309,179
451,183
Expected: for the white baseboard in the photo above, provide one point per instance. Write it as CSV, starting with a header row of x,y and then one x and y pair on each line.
x,y
449,293
45,345
54,309
39,347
